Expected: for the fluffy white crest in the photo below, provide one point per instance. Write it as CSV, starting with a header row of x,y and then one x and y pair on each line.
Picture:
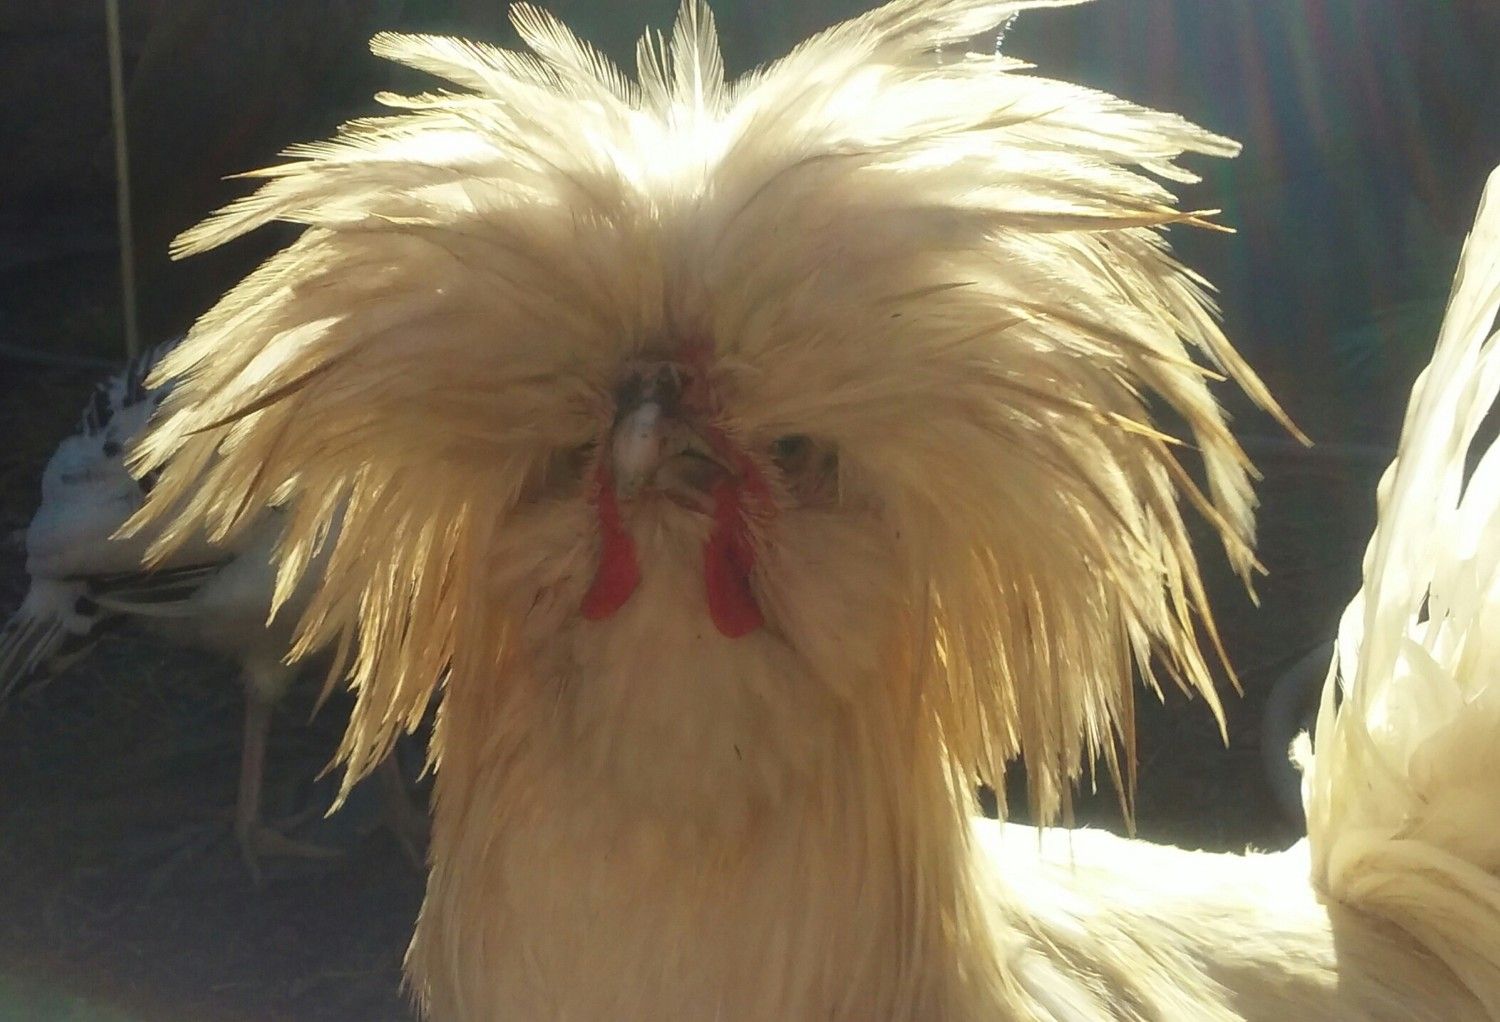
x,y
950,271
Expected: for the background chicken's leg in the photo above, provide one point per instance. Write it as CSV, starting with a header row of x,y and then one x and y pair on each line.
x,y
263,687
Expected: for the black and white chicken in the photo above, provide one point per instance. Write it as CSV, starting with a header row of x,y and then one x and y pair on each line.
x,y
85,577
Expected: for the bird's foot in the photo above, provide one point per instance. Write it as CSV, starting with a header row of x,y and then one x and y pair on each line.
x,y
193,846
259,840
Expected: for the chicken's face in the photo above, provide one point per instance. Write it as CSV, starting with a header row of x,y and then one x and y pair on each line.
x,y
666,444
685,584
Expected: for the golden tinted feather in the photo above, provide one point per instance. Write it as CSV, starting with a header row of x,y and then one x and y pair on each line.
x,y
975,310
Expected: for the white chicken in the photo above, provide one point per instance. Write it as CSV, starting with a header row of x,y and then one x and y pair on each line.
x,y
754,468
84,576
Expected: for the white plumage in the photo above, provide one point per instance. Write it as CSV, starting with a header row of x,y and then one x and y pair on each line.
x,y
753,468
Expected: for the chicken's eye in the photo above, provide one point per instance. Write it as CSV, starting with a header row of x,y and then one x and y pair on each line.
x,y
577,458
571,464
560,473
809,469
790,449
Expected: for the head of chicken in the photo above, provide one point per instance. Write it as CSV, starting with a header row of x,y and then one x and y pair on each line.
x,y
751,467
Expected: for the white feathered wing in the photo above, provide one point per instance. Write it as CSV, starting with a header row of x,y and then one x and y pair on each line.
x,y
1403,789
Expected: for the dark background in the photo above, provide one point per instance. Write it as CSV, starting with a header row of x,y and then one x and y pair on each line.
x,y
1368,129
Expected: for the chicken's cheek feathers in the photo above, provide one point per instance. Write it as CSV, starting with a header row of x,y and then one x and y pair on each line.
x,y
728,559
619,570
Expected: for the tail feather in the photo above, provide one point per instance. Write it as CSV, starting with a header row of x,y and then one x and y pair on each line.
x,y
25,643
162,592
1404,783
33,636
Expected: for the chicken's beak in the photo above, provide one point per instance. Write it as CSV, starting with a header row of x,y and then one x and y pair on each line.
x,y
654,446
637,446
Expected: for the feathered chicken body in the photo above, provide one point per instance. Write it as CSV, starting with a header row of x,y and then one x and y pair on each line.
x,y
754,468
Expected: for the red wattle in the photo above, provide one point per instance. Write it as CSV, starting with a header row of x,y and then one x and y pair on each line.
x,y
728,559
619,570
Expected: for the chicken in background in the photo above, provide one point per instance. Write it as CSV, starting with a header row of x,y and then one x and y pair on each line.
x,y
753,469
84,578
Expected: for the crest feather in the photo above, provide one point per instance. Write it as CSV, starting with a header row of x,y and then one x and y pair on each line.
x,y
953,270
